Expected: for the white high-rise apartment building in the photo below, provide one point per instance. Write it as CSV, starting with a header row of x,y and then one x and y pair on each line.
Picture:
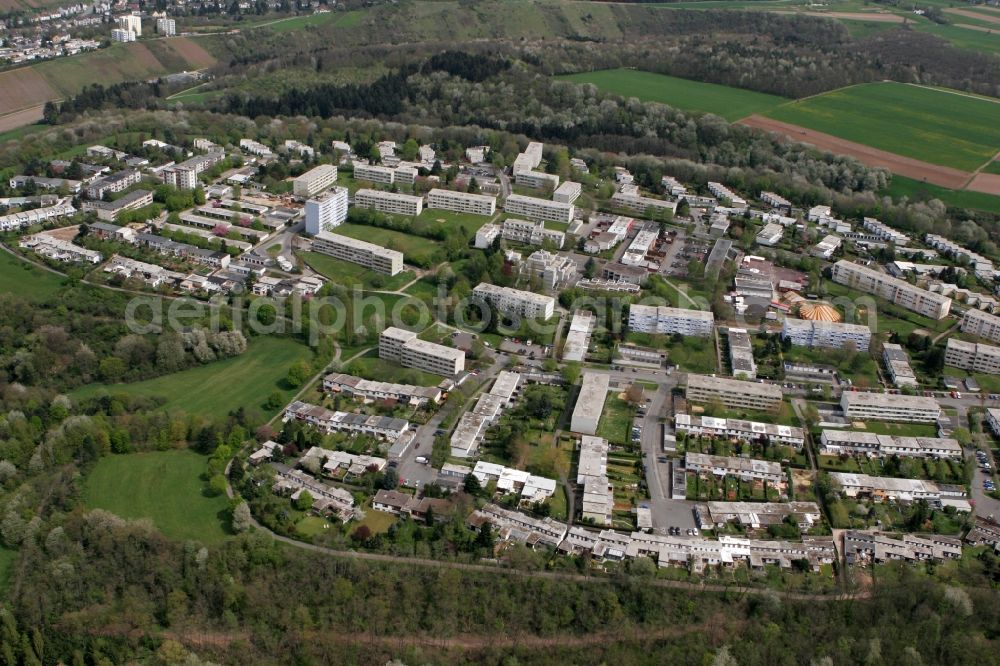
x,y
166,27
326,212
982,324
405,348
130,22
122,35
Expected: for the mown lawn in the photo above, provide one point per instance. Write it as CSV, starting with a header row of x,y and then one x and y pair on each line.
x,y
730,103
215,389
21,278
347,274
166,487
616,420
453,222
416,250
370,366
930,124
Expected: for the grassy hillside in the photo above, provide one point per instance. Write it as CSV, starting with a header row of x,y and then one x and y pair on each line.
x,y
54,79
934,125
730,103
166,487
21,278
220,387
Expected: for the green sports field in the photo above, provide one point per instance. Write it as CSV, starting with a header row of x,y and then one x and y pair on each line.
x,y
730,103
215,389
166,487
929,124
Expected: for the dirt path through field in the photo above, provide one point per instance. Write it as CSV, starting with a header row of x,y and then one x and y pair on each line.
x,y
30,116
904,166
973,15
989,31
852,16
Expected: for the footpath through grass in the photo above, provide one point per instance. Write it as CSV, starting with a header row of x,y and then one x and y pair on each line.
x,y
215,389
166,487
730,103
931,124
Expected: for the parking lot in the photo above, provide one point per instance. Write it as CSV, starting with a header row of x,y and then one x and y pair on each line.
x,y
681,252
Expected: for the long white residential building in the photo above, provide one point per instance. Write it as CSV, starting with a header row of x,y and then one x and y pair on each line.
x,y
590,403
886,487
747,431
640,204
512,301
835,442
474,423
890,407
315,180
892,289
462,202
884,232
536,179
983,324
862,548
723,192
405,348
370,389
834,335
897,362
531,233
592,476
972,356
184,176
664,320
369,255
578,337
26,218
389,202
539,209
327,421
568,192
982,266
733,393
374,173
747,469
325,212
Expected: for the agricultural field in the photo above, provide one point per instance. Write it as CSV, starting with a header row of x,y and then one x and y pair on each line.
x,y
928,124
919,191
24,279
30,86
165,487
215,389
349,275
416,250
730,103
